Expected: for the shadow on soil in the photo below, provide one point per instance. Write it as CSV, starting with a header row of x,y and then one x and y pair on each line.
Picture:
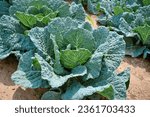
x,y
138,62
28,94
7,67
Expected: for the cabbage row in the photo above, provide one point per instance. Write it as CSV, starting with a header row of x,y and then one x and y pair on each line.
x,y
130,18
57,49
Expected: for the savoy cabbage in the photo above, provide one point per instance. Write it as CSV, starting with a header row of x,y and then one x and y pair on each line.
x,y
73,61
133,23
24,15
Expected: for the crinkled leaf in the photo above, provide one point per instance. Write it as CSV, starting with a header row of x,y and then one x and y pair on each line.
x,y
125,75
118,82
86,25
100,35
80,38
77,12
23,5
118,10
55,81
4,8
108,55
10,39
59,7
61,26
73,58
27,74
112,51
77,91
144,32
26,19
137,51
41,39
53,94
57,65
126,28
64,11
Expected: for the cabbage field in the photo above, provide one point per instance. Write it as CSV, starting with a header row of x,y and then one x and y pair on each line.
x,y
75,49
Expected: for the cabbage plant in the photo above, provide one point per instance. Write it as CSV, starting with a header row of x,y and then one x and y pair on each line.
x,y
74,62
24,15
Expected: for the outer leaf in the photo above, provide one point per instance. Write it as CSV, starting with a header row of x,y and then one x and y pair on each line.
x,y
53,94
112,51
77,91
41,39
108,55
138,51
55,81
100,35
4,7
57,65
77,12
10,39
118,82
27,75
73,58
125,75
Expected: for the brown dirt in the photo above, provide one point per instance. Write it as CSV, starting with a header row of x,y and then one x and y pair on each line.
x,y
139,86
140,78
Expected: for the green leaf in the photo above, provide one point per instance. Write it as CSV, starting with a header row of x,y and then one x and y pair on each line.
x,y
11,41
4,8
77,91
53,94
118,10
41,39
27,74
80,38
77,12
108,92
119,83
57,65
26,19
36,64
72,58
46,19
55,81
144,32
146,2
108,55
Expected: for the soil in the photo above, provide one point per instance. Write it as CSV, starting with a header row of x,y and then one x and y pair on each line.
x,y
139,85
